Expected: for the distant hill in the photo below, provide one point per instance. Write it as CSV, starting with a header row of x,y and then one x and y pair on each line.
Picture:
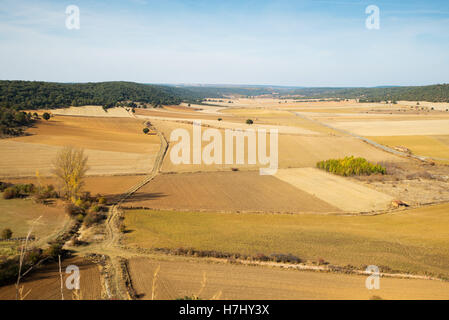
x,y
432,93
20,95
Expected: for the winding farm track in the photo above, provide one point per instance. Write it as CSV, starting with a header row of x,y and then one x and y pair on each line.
x,y
114,285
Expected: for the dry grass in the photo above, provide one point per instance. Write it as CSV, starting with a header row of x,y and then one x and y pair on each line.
x,y
408,241
18,214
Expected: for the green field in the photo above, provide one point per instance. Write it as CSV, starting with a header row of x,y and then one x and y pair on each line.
x,y
19,214
409,241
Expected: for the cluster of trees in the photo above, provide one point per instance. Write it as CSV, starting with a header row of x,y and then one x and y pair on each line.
x,y
350,166
21,95
39,193
432,93
12,121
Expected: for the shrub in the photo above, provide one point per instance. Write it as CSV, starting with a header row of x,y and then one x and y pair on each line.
x,y
46,116
92,218
249,121
6,233
4,185
101,200
54,250
219,119
350,166
146,130
10,193
94,208
73,210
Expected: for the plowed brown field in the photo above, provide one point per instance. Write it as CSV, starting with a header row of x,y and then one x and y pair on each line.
x,y
226,191
44,284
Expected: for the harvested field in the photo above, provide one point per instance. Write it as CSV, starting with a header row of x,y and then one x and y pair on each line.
x,y
294,150
395,128
114,146
92,111
45,283
341,192
170,114
18,215
306,151
226,191
177,279
428,146
412,241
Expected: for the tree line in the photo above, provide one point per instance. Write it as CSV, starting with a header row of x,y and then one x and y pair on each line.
x,y
32,95
432,93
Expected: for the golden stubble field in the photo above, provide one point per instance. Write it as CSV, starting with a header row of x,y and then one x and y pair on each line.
x,y
113,145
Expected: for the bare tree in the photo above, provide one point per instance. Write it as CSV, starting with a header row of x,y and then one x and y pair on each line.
x,y
70,167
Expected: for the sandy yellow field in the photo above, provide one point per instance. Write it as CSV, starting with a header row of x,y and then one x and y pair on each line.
x,y
395,128
177,279
341,192
408,241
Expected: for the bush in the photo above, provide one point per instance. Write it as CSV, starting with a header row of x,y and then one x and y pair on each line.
x,y
94,208
350,166
6,233
219,119
10,193
54,250
4,185
249,121
73,210
101,200
46,116
92,218
146,130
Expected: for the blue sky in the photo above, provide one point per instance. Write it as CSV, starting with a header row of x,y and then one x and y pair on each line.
x,y
300,43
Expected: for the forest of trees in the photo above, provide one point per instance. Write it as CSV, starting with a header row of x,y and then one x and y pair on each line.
x,y
432,93
21,95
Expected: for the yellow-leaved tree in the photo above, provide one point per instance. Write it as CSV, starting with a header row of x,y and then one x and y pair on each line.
x,y
70,167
